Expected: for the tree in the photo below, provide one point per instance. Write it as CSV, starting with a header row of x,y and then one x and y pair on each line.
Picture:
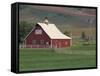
x,y
85,38
83,35
24,29
68,33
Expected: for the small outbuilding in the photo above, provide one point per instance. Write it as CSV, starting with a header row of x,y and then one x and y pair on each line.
x,y
46,35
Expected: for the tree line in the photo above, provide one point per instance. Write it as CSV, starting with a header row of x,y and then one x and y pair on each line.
x,y
24,29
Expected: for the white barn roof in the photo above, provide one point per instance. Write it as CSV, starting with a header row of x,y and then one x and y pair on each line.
x,y
52,31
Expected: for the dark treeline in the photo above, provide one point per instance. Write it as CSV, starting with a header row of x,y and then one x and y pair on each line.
x,y
24,29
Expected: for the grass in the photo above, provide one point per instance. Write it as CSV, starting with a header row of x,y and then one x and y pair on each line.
x,y
46,58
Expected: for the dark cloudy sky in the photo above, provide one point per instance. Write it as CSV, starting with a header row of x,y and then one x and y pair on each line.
x,y
59,15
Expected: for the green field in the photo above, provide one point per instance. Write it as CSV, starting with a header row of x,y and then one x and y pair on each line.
x,y
52,58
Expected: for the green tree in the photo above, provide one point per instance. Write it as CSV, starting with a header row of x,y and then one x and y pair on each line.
x,y
68,33
83,35
24,29
85,38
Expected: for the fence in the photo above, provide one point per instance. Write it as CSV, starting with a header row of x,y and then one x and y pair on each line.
x,y
35,46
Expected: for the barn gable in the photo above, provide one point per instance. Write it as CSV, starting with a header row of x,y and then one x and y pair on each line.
x,y
33,31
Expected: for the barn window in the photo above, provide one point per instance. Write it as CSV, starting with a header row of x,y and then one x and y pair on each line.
x,y
42,41
38,42
47,43
38,31
34,42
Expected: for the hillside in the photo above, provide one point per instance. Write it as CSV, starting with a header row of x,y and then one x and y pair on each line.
x,y
61,16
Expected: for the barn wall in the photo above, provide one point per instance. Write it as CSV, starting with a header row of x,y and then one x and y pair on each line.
x,y
60,43
36,37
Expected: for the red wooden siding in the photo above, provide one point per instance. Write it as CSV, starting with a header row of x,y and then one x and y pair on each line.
x,y
60,43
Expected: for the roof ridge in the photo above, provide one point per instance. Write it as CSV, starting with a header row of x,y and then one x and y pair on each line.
x,y
52,31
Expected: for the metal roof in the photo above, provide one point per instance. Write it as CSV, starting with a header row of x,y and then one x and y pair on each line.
x,y
52,31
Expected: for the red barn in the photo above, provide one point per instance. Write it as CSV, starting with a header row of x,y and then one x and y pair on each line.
x,y
46,35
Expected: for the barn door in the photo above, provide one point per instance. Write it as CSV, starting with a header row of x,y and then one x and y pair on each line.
x,y
57,44
47,44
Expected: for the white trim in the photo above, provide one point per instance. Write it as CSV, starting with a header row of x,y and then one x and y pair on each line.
x,y
25,43
51,43
38,31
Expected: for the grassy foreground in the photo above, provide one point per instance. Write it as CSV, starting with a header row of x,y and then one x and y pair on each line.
x,y
47,58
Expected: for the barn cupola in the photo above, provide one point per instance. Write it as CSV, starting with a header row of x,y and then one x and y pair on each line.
x,y
46,21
